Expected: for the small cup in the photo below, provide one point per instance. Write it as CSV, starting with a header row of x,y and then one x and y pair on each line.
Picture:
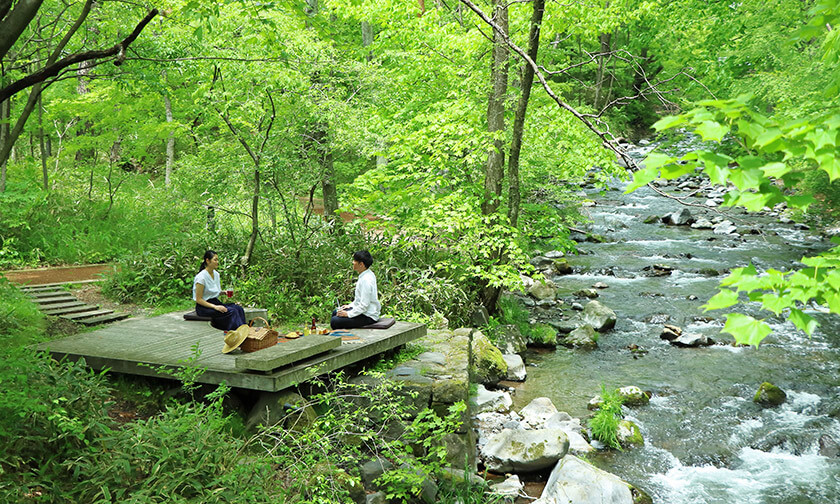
x,y
229,293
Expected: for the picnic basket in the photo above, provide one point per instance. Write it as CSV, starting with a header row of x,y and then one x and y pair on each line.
x,y
259,337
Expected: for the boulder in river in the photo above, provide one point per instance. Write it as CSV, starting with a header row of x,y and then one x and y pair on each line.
x,y
491,400
488,364
516,367
561,267
769,395
587,293
543,290
691,340
634,396
574,481
600,317
585,337
524,450
509,340
681,218
670,332
829,447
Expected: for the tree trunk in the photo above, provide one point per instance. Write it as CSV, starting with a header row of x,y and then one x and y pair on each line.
x,y
521,109
255,206
12,135
82,89
494,168
5,112
367,38
170,142
41,142
604,39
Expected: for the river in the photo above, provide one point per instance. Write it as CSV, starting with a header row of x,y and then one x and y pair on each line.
x,y
706,441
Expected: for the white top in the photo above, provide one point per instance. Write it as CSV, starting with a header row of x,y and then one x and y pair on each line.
x,y
366,301
212,285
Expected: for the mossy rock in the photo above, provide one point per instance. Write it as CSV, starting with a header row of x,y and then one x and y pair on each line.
x,y
769,395
488,364
543,335
640,496
629,434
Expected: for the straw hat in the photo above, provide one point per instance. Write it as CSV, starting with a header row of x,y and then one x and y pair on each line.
x,y
235,338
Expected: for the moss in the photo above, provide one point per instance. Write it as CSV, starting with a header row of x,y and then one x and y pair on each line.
x,y
488,361
769,395
543,334
630,433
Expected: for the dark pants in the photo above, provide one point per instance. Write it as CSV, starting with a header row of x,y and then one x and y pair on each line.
x,y
228,321
337,322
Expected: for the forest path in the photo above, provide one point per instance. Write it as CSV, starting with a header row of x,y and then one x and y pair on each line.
x,y
56,274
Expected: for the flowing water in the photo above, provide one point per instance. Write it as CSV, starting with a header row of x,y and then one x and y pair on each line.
x,y
706,441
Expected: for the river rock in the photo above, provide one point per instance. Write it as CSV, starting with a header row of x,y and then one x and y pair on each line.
x,y
680,218
543,290
585,337
600,285
829,447
571,426
587,293
541,262
688,340
702,223
634,396
561,267
516,367
527,282
670,332
769,395
658,270
488,364
574,481
652,219
509,340
491,400
511,487
537,412
373,469
524,450
725,228
629,434
555,254
376,498
598,316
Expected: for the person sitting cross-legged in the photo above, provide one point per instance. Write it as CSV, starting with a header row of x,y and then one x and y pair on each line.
x,y
365,308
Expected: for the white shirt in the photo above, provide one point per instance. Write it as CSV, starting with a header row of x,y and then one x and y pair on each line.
x,y
366,301
212,285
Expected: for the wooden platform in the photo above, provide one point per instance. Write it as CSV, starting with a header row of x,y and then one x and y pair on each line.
x,y
167,340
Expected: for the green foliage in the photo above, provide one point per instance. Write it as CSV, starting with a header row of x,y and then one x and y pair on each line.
x,y
20,319
604,424
543,334
358,422
405,353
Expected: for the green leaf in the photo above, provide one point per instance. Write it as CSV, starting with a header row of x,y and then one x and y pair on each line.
x,y
803,321
830,164
738,274
668,122
657,159
673,171
746,178
768,136
776,170
746,329
711,130
641,178
753,202
723,299
774,303
750,129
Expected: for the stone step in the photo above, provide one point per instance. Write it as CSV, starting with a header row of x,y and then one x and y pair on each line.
x,y
95,313
111,317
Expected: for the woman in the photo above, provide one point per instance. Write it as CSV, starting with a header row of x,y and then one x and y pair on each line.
x,y
207,287
365,308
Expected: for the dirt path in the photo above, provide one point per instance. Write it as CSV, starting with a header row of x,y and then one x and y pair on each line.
x,y
42,276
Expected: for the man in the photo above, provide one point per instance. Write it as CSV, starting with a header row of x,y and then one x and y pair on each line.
x,y
365,307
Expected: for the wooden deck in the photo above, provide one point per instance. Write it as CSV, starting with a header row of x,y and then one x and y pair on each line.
x,y
167,340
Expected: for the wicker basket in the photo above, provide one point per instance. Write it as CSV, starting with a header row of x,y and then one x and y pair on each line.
x,y
259,337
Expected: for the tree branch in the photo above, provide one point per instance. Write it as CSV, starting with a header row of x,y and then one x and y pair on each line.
x,y
52,70
607,138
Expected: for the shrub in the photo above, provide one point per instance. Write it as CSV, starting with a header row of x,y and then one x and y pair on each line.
x,y
604,425
543,334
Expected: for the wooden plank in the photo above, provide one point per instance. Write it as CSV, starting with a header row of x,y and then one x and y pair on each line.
x,y
77,307
168,341
87,314
47,294
112,317
287,352
63,298
52,291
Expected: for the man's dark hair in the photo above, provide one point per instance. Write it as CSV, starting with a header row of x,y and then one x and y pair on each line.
x,y
364,257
